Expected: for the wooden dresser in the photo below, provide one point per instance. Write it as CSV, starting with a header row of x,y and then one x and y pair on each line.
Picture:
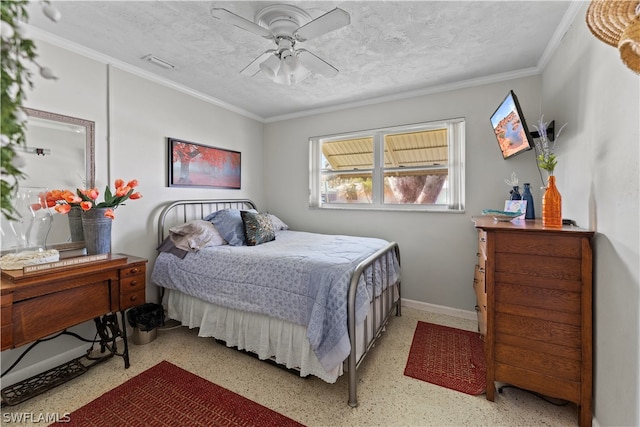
x,y
534,291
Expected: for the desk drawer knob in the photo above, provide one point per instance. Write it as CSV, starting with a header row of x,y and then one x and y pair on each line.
x,y
134,270
133,297
133,283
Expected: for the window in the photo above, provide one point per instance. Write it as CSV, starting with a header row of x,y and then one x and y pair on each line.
x,y
416,167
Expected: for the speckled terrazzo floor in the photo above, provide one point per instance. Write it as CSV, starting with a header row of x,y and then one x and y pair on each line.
x,y
386,396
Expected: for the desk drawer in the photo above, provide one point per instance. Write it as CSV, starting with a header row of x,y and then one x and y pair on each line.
x,y
38,317
6,325
132,284
133,270
132,299
132,287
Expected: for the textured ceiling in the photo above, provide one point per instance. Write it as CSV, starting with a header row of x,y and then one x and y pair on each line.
x,y
390,48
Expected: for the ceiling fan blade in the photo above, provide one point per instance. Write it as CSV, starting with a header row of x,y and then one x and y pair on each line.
x,y
231,18
332,20
315,64
254,67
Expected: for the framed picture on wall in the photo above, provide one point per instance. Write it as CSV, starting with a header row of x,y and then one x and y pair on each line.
x,y
197,165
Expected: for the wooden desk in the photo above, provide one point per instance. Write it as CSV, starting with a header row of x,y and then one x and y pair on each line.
x,y
538,300
38,304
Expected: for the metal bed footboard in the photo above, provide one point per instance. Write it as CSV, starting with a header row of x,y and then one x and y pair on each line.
x,y
382,305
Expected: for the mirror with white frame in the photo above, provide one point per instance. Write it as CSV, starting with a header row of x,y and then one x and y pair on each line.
x,y
58,154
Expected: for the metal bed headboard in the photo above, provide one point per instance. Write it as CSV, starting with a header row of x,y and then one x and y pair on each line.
x,y
182,211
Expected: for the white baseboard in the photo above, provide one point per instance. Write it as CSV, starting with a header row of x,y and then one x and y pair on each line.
x,y
440,309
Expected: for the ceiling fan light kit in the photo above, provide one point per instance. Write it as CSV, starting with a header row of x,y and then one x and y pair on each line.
x,y
287,25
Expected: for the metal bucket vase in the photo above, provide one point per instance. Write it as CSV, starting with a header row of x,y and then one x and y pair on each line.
x,y
97,231
75,224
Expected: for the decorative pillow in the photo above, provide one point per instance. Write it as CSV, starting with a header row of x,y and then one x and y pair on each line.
x,y
258,228
195,235
229,224
278,224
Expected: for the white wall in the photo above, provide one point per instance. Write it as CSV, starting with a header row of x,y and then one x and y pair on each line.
x,y
588,86
133,117
438,250
585,85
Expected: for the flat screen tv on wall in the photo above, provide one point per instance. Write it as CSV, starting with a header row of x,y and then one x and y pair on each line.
x,y
510,127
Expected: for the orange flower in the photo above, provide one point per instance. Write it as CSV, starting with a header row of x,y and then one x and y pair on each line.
x,y
64,200
91,193
63,208
71,198
122,191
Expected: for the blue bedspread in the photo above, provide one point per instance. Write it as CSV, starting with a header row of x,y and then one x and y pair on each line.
x,y
299,277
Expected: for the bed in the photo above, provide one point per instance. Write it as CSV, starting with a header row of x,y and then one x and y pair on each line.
x,y
312,302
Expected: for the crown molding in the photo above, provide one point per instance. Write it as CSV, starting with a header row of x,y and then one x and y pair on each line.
x,y
47,37
412,94
565,23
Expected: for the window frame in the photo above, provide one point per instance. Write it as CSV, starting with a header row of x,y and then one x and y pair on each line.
x,y
455,167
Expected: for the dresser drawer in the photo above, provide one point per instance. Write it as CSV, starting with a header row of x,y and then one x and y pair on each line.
x,y
479,287
481,310
482,245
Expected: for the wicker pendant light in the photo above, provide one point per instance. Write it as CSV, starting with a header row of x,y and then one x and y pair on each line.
x,y
617,23
629,45
607,19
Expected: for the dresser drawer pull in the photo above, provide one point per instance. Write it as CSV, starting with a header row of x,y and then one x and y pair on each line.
x,y
133,297
134,270
133,283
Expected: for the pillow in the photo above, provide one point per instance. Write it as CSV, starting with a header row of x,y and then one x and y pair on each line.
x,y
195,235
258,228
229,224
169,247
278,224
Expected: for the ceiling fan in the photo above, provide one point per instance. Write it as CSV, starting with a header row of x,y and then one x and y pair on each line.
x,y
287,25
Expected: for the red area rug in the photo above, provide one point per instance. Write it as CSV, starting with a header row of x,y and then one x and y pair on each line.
x,y
447,357
166,395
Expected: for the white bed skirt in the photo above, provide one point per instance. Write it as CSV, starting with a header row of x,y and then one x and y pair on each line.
x,y
284,342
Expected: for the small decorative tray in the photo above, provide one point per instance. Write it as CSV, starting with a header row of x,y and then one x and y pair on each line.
x,y
501,215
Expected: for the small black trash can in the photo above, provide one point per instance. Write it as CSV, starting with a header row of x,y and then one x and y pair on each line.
x,y
144,319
